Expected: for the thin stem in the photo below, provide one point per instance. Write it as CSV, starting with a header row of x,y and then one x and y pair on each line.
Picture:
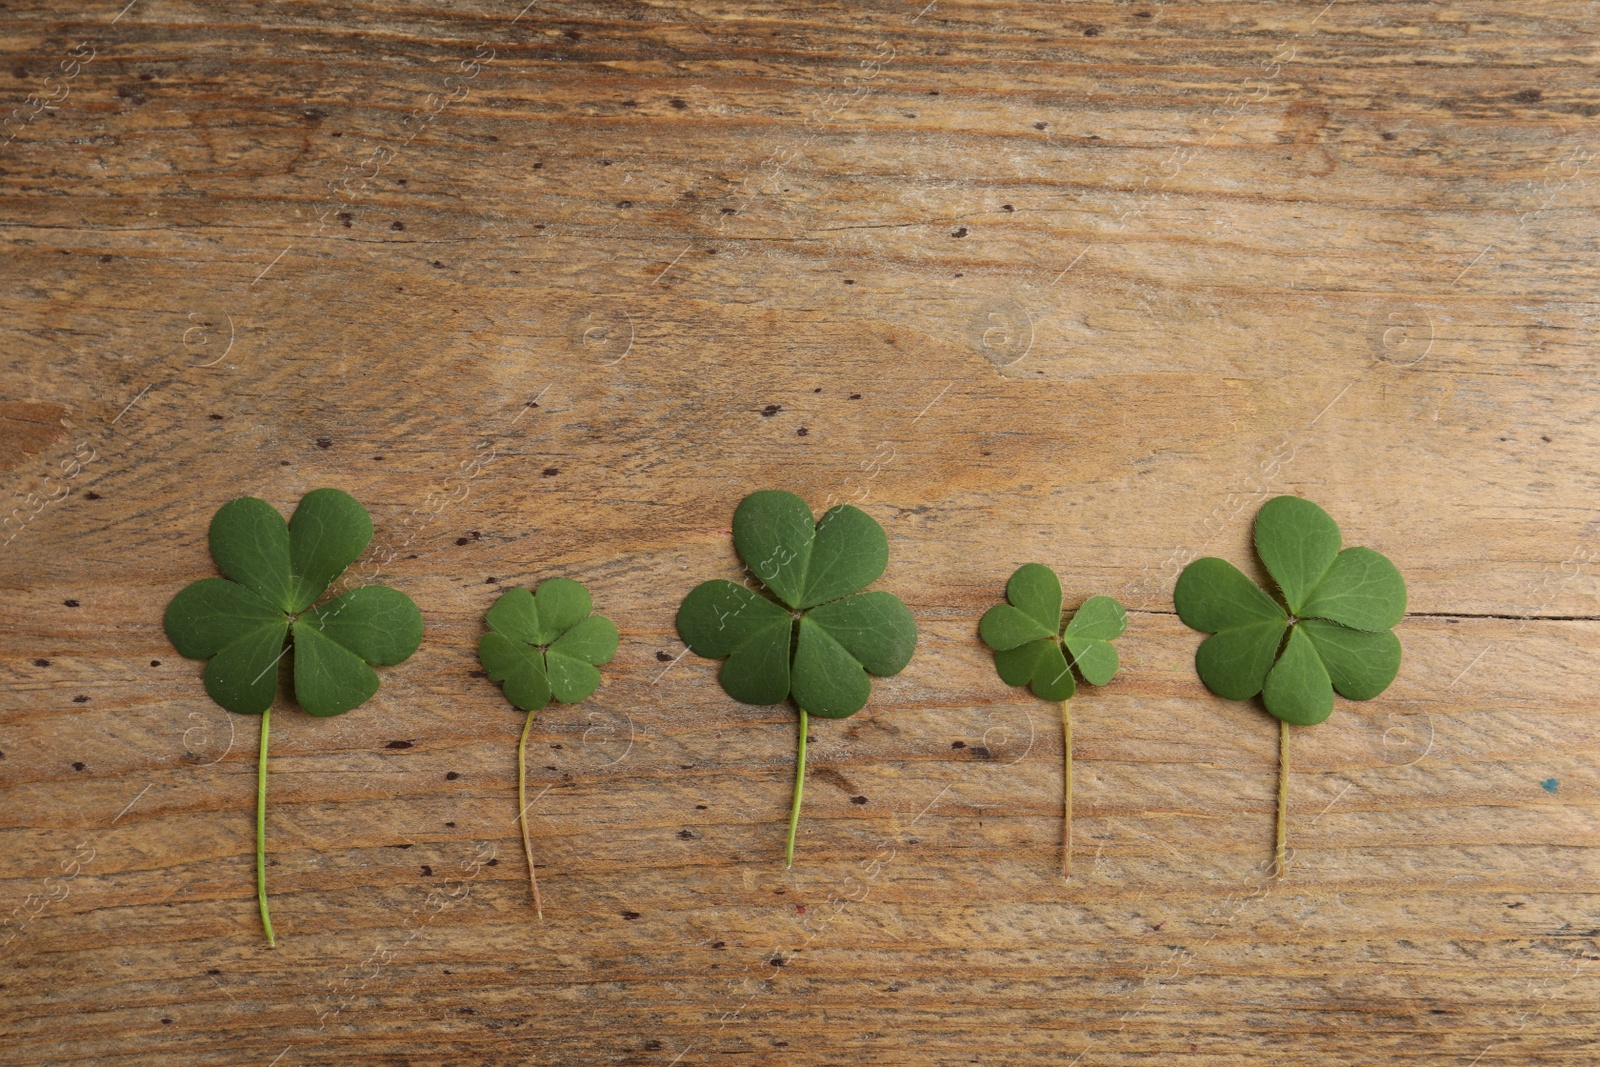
x,y
1283,797
799,787
1066,804
522,815
261,828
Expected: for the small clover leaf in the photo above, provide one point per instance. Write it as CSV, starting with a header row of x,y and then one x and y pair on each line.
x,y
1331,631
1032,649
543,644
245,623
817,638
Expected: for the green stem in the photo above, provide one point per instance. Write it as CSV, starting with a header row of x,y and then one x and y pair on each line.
x,y
799,786
261,828
522,817
1283,798
1066,803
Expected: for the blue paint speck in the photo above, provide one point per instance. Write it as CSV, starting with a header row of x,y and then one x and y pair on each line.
x,y
1550,785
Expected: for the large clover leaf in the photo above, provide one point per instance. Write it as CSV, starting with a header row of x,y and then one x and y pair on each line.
x,y
815,636
1331,631
266,607
1032,649
542,644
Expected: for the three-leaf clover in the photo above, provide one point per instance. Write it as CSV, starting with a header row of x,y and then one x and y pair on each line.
x,y
543,644
1330,631
814,635
266,607
1032,649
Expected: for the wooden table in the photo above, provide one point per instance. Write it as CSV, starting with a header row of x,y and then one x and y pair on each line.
x,y
551,289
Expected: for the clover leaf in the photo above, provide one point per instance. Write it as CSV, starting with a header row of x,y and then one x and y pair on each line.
x,y
544,644
1329,631
266,607
1032,649
812,634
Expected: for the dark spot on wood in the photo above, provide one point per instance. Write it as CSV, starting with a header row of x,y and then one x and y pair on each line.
x,y
1142,15
397,225
347,219
324,443
538,166
962,232
858,800
466,1011
491,863
1517,904
283,463
451,825
630,103
463,540
730,211
107,259
1544,438
70,603
1041,125
849,281
958,744
572,35
719,944
687,835
777,961
19,72
624,203
855,396
1091,31
402,181
451,776
155,663
214,417
427,871
652,1045
133,93
398,744
437,265
980,752
41,663
771,410
1007,207
402,847
662,657
477,674
550,472
700,807
1387,136
630,915
1528,96
801,432
77,766
214,970
678,104
80,699
166,1020
314,114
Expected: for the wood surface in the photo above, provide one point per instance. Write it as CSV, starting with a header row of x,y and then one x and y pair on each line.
x,y
550,289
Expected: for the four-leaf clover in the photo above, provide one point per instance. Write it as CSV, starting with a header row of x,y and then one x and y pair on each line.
x,y
1032,649
266,607
543,644
815,636
1330,632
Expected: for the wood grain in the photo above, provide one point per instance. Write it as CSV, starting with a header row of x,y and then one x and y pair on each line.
x,y
551,288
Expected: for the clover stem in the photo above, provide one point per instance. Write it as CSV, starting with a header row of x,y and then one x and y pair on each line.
x,y
261,828
1283,797
799,787
522,815
1066,804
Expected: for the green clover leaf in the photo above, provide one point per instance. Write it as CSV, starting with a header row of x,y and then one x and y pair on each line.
x,y
816,638
1331,631
246,622
542,644
1032,649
